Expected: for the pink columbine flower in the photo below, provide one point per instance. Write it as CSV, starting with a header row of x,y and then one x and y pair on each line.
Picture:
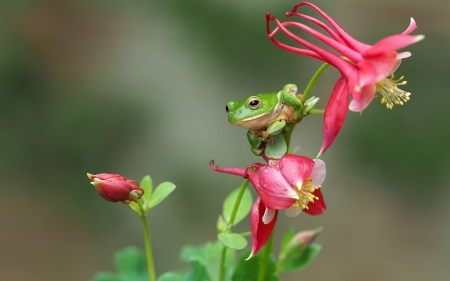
x,y
115,188
365,69
291,183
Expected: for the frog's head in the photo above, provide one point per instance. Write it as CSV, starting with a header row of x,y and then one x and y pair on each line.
x,y
248,113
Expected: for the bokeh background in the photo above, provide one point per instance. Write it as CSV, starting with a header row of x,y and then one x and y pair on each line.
x,y
139,87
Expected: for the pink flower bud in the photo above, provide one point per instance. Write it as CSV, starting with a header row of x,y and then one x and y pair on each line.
x,y
305,238
115,188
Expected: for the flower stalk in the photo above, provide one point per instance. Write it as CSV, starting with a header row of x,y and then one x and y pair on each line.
x,y
148,243
230,225
265,258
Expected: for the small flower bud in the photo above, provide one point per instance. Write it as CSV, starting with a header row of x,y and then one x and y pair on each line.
x,y
115,188
311,103
305,238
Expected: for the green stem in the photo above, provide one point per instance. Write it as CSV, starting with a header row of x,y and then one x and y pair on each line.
x,y
148,243
265,259
313,81
237,203
288,129
230,225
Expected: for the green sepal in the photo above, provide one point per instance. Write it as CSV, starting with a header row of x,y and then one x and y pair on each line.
x,y
233,240
278,149
249,269
298,258
244,209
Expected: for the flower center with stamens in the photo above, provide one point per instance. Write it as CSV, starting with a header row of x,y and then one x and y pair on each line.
x,y
391,94
305,194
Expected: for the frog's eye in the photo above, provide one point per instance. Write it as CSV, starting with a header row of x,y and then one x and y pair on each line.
x,y
226,107
254,103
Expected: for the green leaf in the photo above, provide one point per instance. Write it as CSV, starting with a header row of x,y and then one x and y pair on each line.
x,y
278,149
298,258
105,276
198,272
131,264
221,224
147,186
161,192
172,276
276,127
233,240
288,235
244,207
135,207
209,256
249,269
193,253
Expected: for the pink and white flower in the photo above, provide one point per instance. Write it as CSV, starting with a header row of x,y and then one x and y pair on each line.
x,y
291,183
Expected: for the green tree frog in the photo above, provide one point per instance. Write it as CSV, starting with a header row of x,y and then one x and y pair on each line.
x,y
266,114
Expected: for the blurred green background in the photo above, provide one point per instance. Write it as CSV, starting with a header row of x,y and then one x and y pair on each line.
x,y
139,87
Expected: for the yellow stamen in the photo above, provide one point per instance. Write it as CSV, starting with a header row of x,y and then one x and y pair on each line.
x,y
305,194
391,94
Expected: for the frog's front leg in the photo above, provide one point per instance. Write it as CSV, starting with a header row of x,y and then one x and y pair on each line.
x,y
258,140
294,103
256,143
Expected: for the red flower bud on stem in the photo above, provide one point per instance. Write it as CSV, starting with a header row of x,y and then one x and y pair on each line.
x,y
116,188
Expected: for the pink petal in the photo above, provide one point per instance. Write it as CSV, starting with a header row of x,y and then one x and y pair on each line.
x,y
351,42
322,25
274,190
392,43
411,27
296,169
342,65
367,75
318,206
362,99
340,47
335,113
319,172
381,66
227,170
396,65
300,51
260,231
